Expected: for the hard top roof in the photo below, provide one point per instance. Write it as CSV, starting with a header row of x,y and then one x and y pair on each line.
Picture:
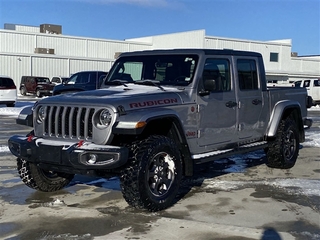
x,y
197,51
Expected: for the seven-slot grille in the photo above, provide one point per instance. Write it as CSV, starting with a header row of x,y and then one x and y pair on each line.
x,y
68,122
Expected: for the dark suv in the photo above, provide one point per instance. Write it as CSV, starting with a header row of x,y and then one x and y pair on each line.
x,y
81,81
36,85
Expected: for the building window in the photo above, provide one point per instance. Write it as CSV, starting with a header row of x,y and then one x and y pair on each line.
x,y
274,57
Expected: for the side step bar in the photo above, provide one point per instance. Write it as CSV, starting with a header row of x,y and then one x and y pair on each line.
x,y
211,156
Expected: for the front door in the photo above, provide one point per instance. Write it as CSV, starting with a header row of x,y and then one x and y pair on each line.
x,y
217,109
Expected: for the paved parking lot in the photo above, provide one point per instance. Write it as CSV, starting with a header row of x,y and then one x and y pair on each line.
x,y
234,198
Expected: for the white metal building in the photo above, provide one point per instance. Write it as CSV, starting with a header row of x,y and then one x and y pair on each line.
x,y
26,51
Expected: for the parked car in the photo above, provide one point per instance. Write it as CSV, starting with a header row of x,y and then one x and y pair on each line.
x,y
313,88
36,85
59,80
81,81
8,91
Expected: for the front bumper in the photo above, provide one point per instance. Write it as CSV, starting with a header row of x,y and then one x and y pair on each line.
x,y
68,155
46,92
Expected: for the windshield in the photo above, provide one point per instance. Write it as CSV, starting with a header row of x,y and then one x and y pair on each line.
x,y
161,69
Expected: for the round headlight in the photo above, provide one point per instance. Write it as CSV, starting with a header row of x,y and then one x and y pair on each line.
x,y
41,114
105,117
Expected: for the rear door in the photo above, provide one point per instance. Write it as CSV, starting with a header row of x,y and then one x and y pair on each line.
x,y
32,85
252,108
315,90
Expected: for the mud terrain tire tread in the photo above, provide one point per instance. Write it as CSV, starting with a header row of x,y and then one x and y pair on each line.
x,y
133,180
276,150
34,177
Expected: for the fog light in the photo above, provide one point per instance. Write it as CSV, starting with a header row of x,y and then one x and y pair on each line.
x,y
92,158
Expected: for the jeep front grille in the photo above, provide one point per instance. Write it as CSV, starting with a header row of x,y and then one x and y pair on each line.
x,y
68,122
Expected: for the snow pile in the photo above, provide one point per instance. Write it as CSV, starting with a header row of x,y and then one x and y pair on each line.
x,y
294,186
4,148
14,111
56,203
312,139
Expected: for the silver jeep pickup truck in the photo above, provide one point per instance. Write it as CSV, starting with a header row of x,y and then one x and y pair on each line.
x,y
158,114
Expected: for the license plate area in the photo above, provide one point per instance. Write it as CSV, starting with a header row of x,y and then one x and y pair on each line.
x,y
50,154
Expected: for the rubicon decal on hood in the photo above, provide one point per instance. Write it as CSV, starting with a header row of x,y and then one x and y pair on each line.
x,y
153,103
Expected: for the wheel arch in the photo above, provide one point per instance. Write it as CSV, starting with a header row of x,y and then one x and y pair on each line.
x,y
171,127
283,110
167,124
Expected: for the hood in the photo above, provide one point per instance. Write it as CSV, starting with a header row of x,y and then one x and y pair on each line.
x,y
131,97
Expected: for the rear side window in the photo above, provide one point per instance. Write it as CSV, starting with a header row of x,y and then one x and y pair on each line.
x,y
42,80
306,83
93,78
247,74
6,82
56,80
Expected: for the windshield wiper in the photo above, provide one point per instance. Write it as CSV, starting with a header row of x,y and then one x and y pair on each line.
x,y
117,82
150,82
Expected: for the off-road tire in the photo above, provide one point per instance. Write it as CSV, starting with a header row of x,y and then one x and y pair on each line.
x,y
38,93
23,91
152,176
39,179
282,152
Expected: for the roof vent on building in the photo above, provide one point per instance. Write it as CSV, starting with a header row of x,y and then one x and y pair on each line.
x,y
44,50
51,28
117,54
294,54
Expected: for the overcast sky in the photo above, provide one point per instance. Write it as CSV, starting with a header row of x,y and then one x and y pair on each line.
x,y
261,20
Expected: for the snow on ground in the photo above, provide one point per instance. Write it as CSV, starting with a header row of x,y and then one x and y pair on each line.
x,y
294,186
14,111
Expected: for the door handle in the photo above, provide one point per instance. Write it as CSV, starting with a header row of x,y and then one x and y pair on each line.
x,y
231,104
256,101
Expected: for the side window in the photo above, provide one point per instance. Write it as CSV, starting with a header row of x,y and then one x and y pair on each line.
x,y
73,79
83,78
93,78
306,83
316,83
247,74
217,69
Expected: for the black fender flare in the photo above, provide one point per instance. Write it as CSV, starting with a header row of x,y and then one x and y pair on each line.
x,y
282,110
